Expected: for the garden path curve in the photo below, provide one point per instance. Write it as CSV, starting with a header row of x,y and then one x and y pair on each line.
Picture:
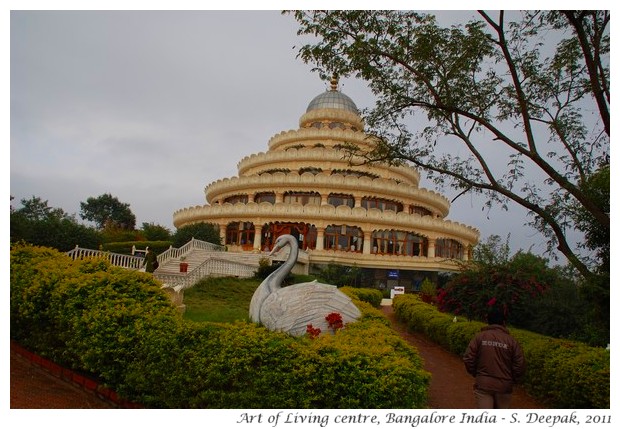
x,y
451,386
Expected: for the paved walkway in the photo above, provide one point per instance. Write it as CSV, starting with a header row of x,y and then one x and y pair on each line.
x,y
451,386
33,387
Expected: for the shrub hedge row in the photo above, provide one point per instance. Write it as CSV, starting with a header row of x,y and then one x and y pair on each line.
x,y
563,374
371,296
119,327
124,247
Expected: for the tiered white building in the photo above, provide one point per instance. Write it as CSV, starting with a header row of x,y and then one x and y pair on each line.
x,y
374,217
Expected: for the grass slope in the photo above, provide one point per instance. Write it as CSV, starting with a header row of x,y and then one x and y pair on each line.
x,y
220,299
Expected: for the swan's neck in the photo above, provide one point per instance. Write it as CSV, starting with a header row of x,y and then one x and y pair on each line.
x,y
275,279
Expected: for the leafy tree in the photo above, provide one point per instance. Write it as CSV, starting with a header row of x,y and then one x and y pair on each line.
x,y
153,232
200,231
39,224
340,275
509,84
108,210
597,186
493,251
35,209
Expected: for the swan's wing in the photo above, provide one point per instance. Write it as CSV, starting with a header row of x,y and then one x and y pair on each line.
x,y
293,308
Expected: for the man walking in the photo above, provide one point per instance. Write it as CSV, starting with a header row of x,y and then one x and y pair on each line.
x,y
496,361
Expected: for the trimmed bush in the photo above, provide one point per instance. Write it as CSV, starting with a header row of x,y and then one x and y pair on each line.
x,y
565,374
118,326
371,296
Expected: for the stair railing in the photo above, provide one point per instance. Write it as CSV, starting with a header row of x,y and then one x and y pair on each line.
x,y
211,267
176,253
118,259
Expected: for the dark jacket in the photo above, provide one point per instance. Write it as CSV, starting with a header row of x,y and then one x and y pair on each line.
x,y
495,359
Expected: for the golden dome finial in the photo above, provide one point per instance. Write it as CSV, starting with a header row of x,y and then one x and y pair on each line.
x,y
334,82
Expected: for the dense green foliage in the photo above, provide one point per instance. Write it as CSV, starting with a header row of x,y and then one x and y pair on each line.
x,y
125,247
107,210
547,300
533,85
119,326
506,286
200,231
564,374
37,223
339,275
154,232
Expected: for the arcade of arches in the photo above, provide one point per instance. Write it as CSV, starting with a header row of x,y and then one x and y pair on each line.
x,y
342,238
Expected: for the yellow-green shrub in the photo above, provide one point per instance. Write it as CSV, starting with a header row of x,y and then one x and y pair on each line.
x,y
120,327
371,296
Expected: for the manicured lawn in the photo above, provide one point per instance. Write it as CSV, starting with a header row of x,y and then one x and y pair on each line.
x,y
220,299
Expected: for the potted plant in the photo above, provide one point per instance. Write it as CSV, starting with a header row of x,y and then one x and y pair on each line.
x,y
183,265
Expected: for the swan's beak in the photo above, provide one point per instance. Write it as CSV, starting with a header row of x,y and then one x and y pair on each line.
x,y
275,250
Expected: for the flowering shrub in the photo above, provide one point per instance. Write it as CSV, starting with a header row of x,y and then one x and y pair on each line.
x,y
507,287
312,331
334,320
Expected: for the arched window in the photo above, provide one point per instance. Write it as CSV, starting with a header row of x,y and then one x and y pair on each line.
x,y
305,233
237,199
269,197
302,198
241,234
341,200
422,211
448,248
343,237
381,204
395,242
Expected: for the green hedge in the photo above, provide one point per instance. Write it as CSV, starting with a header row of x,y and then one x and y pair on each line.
x,y
118,326
124,247
371,296
565,374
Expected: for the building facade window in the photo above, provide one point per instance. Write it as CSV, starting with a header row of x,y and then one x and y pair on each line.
x,y
304,233
261,197
341,200
449,248
343,237
240,234
422,211
395,242
381,204
302,198
237,199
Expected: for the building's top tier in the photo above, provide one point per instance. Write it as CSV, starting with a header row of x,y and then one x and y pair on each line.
x,y
332,99
332,109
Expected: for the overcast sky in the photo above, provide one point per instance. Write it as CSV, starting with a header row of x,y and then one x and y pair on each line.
x,y
152,106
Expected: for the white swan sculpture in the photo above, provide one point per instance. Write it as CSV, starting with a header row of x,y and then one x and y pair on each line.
x,y
292,308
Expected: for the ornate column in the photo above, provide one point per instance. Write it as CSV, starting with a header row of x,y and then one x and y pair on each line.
x,y
367,240
257,239
320,238
431,247
358,201
279,197
222,227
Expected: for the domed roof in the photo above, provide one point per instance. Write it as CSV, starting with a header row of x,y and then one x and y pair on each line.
x,y
332,99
